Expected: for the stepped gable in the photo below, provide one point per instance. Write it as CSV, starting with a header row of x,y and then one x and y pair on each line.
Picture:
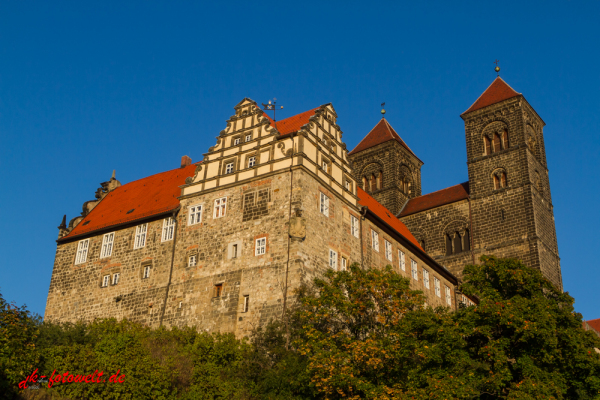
x,y
386,215
495,93
436,199
293,123
150,196
381,133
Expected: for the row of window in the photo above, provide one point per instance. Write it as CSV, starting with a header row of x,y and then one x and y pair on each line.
x,y
456,243
324,209
238,140
115,277
373,182
496,144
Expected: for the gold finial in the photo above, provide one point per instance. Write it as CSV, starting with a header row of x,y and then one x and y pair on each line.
x,y
382,110
497,69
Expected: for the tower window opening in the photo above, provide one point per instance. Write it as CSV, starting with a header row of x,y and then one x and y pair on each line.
x,y
487,145
448,245
497,145
496,182
505,139
457,242
503,179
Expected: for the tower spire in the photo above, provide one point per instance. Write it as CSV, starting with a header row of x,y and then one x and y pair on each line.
x,y
382,110
497,69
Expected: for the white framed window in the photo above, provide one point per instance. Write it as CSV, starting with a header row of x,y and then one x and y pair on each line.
x,y
192,261
388,250
426,278
324,165
140,236
251,162
107,245
220,207
348,186
229,168
195,214
248,138
146,272
333,259
168,229
402,260
413,268
260,247
236,141
82,250
324,205
466,301
115,278
448,295
374,240
344,265
436,285
105,280
246,303
354,228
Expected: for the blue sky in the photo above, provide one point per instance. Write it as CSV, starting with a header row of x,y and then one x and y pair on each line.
x,y
88,87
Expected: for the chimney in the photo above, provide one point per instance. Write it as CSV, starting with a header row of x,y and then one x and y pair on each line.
x,y
185,161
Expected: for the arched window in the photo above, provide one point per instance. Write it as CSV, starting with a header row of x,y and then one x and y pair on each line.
x,y
466,240
505,139
497,145
496,182
372,185
487,145
503,179
457,243
365,184
380,181
448,245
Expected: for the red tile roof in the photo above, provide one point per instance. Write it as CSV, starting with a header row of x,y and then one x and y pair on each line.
x,y
436,199
293,123
148,196
495,93
594,324
381,133
386,215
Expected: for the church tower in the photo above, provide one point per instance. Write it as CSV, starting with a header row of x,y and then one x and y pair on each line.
x,y
386,168
512,212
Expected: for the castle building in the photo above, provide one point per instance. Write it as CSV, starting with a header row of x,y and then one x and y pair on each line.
x,y
504,209
223,243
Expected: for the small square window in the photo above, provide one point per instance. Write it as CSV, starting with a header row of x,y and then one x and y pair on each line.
x,y
140,236
248,138
236,141
220,207
374,240
146,272
426,278
413,267
324,205
388,250
354,226
115,278
246,306
105,280
251,162
168,229
436,285
261,247
192,261
107,245
195,216
218,290
402,260
229,168
333,259
82,250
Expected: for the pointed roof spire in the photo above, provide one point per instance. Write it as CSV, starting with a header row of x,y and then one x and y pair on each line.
x,y
498,91
63,224
113,175
381,133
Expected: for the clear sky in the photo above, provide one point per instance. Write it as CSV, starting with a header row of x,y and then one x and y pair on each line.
x,y
88,87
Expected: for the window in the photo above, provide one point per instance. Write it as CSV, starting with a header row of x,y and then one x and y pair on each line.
x,y
140,236
220,207
348,186
107,245
436,285
324,205
251,162
115,278
344,264
388,250
246,303
354,225
374,240
448,296
82,250
248,138
146,272
324,165
402,260
168,229
195,215
236,141
413,267
487,145
457,242
426,278
505,139
192,261
229,168
497,146
496,182
448,244
503,180
466,301
105,280
332,259
261,247
234,251
218,290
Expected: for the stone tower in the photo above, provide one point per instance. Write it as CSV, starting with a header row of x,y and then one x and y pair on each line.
x,y
386,167
512,213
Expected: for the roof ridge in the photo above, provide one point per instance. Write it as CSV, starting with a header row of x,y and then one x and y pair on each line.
x,y
367,135
158,173
484,92
439,190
